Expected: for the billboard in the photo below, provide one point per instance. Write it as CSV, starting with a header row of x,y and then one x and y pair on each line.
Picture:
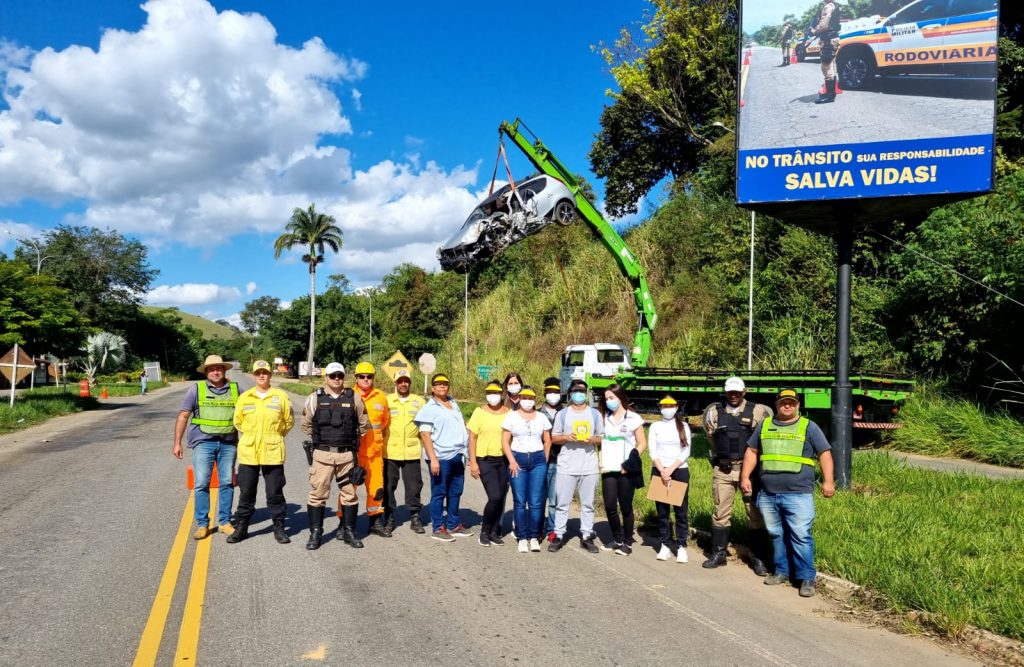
x,y
912,113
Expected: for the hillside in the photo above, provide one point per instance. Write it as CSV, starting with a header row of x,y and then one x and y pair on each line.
x,y
208,328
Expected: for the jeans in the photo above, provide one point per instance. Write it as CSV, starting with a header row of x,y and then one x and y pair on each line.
x,y
788,517
528,493
203,456
664,511
273,486
446,489
494,477
549,526
618,492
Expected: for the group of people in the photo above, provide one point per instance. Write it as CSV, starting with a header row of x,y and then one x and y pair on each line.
x,y
825,27
547,449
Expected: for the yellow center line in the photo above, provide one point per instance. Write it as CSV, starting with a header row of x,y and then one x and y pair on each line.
x,y
188,633
149,644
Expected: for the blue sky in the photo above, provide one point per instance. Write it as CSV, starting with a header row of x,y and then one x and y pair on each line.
x,y
197,127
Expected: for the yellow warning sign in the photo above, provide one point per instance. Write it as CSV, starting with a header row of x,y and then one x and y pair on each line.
x,y
397,362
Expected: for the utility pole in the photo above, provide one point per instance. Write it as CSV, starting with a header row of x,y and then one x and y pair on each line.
x,y
750,300
842,390
31,243
465,333
370,296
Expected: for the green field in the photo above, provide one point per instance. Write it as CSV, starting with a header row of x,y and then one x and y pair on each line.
x,y
208,328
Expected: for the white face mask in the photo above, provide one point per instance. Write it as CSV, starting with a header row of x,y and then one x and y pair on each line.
x,y
493,399
553,399
527,404
669,413
514,389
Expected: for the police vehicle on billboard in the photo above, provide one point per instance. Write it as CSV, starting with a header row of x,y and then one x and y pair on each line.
x,y
946,38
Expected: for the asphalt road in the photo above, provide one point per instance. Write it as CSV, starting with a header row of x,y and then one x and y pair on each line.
x,y
779,109
92,505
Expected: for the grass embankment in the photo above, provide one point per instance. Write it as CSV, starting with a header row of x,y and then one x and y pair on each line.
x,y
125,388
943,543
34,407
937,425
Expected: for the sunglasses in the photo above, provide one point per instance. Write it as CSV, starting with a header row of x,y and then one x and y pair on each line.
x,y
364,376
336,376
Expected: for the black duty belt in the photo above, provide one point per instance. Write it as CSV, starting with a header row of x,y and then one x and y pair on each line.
x,y
339,449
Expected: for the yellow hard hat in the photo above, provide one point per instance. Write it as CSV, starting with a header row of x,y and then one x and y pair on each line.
x,y
365,368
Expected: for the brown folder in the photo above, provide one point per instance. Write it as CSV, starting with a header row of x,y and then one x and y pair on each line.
x,y
671,493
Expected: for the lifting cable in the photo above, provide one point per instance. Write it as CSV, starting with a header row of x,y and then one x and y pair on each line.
x,y
508,167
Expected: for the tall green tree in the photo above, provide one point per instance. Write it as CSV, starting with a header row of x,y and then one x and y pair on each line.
x,y
316,231
36,313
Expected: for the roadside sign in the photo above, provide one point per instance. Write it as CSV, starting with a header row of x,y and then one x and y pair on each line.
x,y
428,363
396,362
19,369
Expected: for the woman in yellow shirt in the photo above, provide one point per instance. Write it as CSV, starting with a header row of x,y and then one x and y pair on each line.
x,y
487,461
263,416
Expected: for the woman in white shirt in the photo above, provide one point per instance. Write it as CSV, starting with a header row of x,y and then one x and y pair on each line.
x,y
623,432
670,451
526,441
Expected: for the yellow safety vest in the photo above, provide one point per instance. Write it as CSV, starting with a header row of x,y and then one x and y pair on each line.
x,y
404,436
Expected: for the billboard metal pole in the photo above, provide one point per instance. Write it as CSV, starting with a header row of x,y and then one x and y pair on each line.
x,y
842,390
750,302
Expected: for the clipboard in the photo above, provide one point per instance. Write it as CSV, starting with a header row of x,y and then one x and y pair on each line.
x,y
671,494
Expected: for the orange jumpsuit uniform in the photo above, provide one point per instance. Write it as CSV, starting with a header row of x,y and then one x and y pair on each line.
x,y
371,449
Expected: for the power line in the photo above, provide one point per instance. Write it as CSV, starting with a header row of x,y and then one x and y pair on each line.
x,y
949,268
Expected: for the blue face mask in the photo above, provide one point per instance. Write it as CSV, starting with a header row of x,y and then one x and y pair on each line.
x,y
613,404
578,397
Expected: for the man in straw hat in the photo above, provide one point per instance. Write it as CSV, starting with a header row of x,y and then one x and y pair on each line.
x,y
206,413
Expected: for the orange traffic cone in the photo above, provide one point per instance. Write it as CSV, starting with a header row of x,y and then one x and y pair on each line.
x,y
104,394
792,59
839,91
746,61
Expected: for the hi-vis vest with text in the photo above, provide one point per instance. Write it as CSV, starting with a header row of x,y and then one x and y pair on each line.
x,y
216,411
782,447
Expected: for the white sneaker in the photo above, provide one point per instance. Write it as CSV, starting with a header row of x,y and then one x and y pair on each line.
x,y
524,547
534,544
681,556
665,553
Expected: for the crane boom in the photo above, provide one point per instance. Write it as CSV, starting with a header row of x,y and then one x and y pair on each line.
x,y
542,158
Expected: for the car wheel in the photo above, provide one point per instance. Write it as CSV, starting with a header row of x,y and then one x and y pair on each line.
x,y
565,212
856,70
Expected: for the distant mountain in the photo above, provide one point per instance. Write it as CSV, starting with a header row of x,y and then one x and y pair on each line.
x,y
209,328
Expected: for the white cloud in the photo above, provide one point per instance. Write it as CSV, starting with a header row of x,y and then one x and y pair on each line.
x,y
357,99
250,287
191,294
200,127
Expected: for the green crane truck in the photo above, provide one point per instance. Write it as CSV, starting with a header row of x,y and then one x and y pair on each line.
x,y
876,396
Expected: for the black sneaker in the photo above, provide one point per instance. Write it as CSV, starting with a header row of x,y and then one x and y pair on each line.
x,y
623,549
485,539
556,544
496,539
416,525
588,544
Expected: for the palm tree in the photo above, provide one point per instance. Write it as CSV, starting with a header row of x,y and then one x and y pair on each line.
x,y
99,349
316,230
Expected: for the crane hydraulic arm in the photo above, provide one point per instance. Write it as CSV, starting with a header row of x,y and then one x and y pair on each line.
x,y
542,158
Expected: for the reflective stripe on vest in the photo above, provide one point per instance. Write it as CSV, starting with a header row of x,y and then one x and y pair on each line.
x,y
216,414
782,447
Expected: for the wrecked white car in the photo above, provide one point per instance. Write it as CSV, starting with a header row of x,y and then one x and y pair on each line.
x,y
508,215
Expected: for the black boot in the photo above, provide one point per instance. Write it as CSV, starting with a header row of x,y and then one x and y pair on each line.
x,y
416,525
378,527
719,542
830,93
241,531
279,534
348,527
755,550
316,526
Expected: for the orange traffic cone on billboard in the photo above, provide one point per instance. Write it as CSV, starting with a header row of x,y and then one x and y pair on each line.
x,y
792,59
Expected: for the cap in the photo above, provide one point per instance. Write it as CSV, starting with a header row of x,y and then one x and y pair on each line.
x,y
669,401
365,368
260,365
439,378
735,384
402,374
492,388
528,393
553,384
334,367
787,394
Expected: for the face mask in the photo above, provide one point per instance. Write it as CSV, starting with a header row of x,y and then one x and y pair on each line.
x,y
613,404
514,389
493,399
578,397
669,413
527,404
553,399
